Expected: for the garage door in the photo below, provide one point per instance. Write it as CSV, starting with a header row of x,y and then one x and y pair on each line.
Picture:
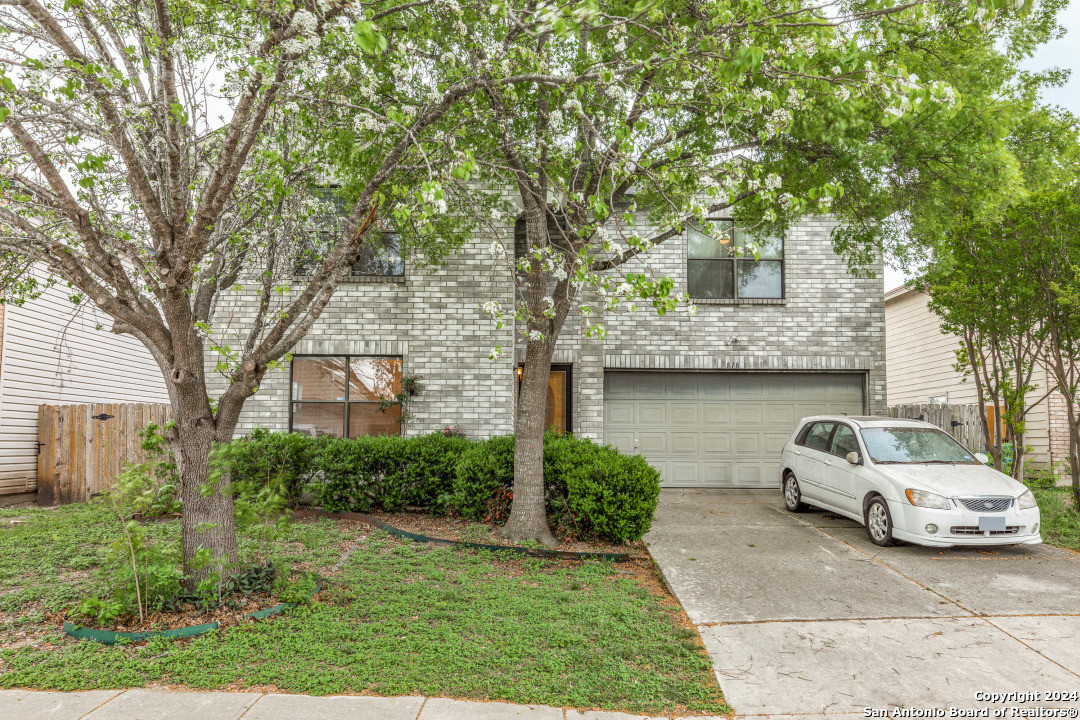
x,y
719,429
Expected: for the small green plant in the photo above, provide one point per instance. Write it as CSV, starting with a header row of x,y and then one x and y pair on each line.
x,y
476,532
299,591
410,390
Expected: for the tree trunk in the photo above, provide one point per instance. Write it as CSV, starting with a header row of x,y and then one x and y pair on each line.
x,y
528,513
207,534
1018,457
1074,460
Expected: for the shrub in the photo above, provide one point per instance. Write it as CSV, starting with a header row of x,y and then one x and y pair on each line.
x,y
388,472
430,468
591,490
485,467
285,461
612,495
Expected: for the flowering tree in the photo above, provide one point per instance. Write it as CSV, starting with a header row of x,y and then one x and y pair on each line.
x,y
767,113
158,156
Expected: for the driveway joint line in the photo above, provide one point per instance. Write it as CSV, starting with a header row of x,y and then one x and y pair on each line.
x,y
421,710
1003,616
1029,647
103,704
984,618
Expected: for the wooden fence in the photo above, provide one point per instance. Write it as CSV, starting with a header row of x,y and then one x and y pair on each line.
x,y
960,421
82,447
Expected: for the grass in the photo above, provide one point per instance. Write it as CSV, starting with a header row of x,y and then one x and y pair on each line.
x,y
1060,520
396,618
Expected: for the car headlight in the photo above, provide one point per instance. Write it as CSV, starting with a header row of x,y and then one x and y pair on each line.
x,y
928,499
1026,501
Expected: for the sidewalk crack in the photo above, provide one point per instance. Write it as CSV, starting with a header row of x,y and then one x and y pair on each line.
x,y
103,704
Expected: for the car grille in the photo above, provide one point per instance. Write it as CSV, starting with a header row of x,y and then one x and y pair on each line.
x,y
974,530
987,504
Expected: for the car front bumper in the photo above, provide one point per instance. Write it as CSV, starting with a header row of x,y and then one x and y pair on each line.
x,y
960,527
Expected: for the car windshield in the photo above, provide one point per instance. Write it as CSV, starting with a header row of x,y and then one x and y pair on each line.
x,y
913,445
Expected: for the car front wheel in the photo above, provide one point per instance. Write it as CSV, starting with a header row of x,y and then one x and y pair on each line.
x,y
879,524
793,495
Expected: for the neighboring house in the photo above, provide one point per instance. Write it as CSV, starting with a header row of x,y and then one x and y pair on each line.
x,y
920,362
51,353
709,399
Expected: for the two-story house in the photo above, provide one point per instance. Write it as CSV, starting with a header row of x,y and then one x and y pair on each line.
x,y
709,398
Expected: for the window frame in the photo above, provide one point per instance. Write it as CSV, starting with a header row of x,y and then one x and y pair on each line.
x,y
801,442
346,402
379,230
568,368
832,440
735,261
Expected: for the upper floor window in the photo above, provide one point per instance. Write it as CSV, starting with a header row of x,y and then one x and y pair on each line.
x,y
721,263
380,253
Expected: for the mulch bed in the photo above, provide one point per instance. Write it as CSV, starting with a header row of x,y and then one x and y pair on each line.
x,y
462,530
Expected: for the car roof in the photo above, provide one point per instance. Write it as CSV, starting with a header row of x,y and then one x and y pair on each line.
x,y
869,421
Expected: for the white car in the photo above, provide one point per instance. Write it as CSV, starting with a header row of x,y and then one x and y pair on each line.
x,y
905,480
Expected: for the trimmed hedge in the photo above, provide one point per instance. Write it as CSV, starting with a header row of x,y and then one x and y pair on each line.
x,y
592,490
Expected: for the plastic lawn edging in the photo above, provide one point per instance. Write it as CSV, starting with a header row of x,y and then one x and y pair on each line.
x,y
554,554
112,637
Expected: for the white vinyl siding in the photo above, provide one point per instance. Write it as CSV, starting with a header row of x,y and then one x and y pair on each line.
x,y
55,353
919,360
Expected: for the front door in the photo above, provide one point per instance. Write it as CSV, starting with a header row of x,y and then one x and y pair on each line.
x,y
557,406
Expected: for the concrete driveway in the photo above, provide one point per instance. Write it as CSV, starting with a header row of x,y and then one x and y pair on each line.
x,y
803,615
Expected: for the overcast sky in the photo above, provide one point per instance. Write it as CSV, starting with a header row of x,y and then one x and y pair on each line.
x,y
1063,53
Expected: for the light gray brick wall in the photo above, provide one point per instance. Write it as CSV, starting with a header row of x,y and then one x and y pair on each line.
x,y
828,321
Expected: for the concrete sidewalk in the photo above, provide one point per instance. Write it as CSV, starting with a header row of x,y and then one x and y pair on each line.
x,y
178,705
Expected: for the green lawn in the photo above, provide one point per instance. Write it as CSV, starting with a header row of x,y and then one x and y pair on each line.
x,y
397,618
1060,522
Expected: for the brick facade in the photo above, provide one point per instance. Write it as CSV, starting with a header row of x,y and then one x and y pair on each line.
x,y
827,321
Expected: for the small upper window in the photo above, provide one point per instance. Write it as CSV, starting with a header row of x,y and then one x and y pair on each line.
x,y
380,253
726,263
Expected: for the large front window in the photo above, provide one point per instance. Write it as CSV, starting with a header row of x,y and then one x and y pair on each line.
x,y
380,253
724,263
345,396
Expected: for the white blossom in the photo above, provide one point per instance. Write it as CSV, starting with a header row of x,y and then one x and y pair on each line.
x,y
536,335
305,22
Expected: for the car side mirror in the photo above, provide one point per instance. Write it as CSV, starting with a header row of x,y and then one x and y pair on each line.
x,y
982,457
853,458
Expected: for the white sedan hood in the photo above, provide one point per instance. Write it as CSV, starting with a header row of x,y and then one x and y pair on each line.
x,y
953,480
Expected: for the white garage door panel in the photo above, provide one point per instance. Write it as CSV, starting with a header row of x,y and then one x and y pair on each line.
x,y
719,429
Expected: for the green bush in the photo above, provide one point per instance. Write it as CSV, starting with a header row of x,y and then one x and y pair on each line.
x,y
591,490
482,470
612,495
284,461
388,473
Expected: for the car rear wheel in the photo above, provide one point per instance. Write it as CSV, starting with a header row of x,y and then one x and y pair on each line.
x,y
793,495
879,524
